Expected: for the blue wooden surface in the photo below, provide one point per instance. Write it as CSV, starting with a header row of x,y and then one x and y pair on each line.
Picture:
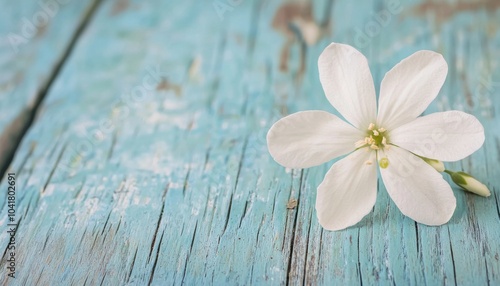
x,y
147,161
34,39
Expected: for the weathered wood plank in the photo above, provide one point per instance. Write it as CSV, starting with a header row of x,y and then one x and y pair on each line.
x,y
175,185
35,38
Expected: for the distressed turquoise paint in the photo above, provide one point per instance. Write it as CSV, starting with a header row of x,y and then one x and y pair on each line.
x,y
181,189
33,40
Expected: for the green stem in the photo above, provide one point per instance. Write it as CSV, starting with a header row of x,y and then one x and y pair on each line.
x,y
449,172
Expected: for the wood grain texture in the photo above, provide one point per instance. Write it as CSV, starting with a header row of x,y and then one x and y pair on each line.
x,y
35,39
147,162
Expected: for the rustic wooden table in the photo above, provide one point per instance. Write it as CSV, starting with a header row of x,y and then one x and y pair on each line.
x,y
136,132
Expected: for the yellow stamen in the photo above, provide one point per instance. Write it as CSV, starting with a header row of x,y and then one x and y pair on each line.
x,y
375,138
383,163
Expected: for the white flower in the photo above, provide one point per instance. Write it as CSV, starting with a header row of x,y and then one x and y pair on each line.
x,y
393,137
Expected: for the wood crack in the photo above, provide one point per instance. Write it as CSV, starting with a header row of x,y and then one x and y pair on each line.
x,y
106,223
47,238
292,244
452,259
156,232
10,139
112,148
156,260
53,170
306,252
244,213
189,253
258,230
186,179
132,265
240,164
228,214
496,202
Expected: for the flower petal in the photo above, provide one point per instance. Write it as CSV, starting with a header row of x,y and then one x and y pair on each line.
x,y
444,136
348,192
409,87
309,138
348,84
418,190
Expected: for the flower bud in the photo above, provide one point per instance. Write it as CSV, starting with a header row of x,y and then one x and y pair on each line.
x,y
436,164
470,184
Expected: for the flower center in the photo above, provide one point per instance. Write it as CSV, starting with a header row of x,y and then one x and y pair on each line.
x,y
376,138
